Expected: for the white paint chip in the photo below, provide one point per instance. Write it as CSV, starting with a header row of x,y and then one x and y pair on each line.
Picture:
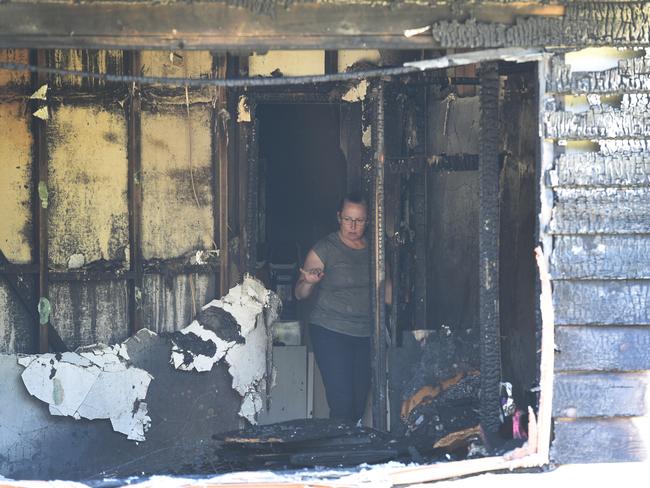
x,y
93,383
40,94
243,112
42,113
357,92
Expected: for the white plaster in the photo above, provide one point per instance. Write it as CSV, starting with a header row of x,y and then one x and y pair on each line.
x,y
200,362
247,361
357,92
94,383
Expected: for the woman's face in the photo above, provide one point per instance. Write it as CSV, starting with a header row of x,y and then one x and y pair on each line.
x,y
353,220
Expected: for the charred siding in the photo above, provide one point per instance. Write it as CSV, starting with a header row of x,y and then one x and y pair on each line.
x,y
600,265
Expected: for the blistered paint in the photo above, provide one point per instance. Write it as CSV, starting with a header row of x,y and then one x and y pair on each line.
x,y
288,63
88,211
94,383
15,182
195,64
14,78
347,57
176,185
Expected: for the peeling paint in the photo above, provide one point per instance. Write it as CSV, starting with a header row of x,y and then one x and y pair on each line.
x,y
357,92
254,309
287,63
15,183
243,111
87,185
366,137
95,382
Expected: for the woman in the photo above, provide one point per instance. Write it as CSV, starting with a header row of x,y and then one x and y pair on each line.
x,y
336,270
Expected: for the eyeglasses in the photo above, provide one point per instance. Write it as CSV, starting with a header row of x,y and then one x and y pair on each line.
x,y
353,222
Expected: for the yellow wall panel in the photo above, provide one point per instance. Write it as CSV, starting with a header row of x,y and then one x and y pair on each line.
x,y
195,64
174,224
88,185
15,182
290,63
347,57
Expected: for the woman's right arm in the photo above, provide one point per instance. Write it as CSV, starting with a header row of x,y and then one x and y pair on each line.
x,y
310,275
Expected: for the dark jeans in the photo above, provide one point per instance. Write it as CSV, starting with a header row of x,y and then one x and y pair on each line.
x,y
344,363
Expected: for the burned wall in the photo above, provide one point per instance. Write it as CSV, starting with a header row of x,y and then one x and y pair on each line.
x,y
600,181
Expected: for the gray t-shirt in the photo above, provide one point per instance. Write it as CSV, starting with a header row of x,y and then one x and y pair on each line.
x,y
343,295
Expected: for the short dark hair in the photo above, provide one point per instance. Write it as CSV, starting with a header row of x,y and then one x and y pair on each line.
x,y
353,197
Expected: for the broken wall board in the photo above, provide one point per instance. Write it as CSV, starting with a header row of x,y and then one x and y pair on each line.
x,y
185,411
619,257
90,312
176,183
17,329
602,302
97,383
631,75
169,303
597,169
601,211
600,440
88,209
601,395
602,348
16,173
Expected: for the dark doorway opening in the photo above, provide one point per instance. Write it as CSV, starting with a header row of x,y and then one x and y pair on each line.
x,y
304,177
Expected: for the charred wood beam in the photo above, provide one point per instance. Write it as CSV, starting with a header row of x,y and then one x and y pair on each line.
x,y
252,205
583,24
489,247
222,135
212,25
16,286
350,142
40,199
378,269
132,65
331,62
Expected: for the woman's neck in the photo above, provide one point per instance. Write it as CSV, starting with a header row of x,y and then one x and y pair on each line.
x,y
356,244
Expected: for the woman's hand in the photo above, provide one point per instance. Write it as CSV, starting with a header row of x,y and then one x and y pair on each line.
x,y
310,275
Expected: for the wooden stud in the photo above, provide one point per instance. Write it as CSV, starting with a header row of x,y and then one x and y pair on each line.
x,y
378,269
132,65
490,344
41,157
